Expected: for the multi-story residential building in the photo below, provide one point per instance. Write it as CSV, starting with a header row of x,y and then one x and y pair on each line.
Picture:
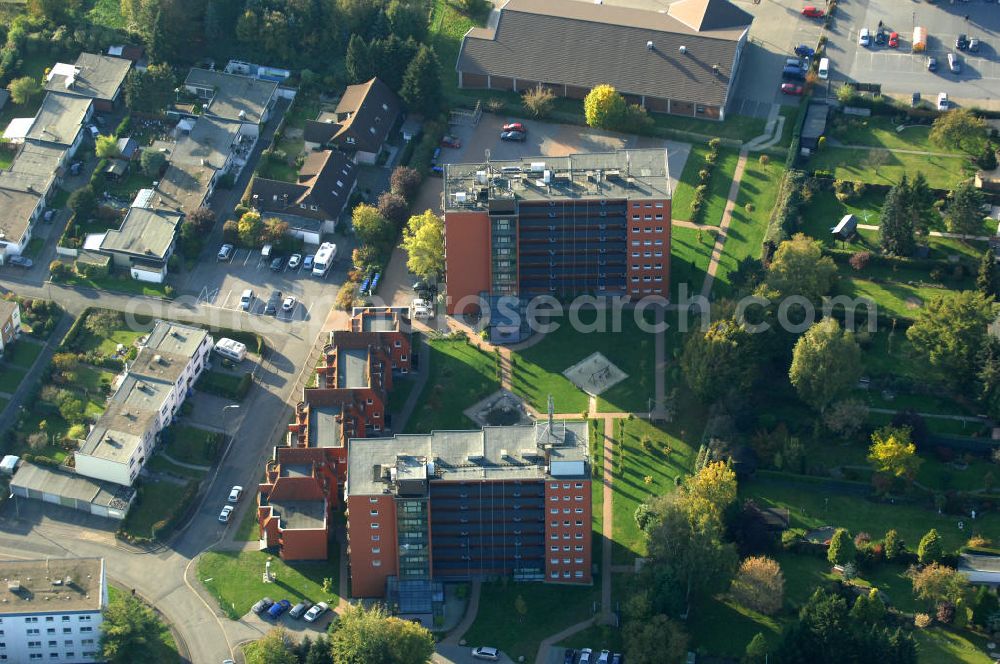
x,y
233,97
304,479
596,223
147,400
512,501
92,76
359,125
10,323
51,610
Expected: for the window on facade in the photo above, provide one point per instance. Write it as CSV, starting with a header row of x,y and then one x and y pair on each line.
x,y
86,629
374,526
374,512
376,549
376,563
578,574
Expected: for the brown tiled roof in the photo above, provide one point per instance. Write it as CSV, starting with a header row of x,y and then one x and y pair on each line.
x,y
325,180
584,44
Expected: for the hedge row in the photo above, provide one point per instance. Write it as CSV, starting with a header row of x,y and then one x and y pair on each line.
x,y
704,179
785,215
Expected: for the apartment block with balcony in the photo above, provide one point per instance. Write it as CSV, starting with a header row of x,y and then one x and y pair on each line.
x,y
583,224
453,505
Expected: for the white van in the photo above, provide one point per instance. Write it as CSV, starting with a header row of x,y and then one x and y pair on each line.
x,y
824,68
231,349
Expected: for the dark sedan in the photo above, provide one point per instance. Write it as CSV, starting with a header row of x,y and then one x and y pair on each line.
x,y
518,136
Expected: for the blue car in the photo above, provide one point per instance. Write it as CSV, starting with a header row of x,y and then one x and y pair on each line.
x,y
804,51
279,608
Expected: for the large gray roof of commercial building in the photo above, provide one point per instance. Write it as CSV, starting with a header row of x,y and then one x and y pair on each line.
x,y
97,77
300,514
17,207
592,175
71,485
324,428
234,93
144,233
176,338
450,451
351,367
585,44
52,585
60,118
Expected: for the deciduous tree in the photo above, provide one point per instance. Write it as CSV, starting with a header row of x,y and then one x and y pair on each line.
x,y
719,359
800,268
950,333
759,585
103,322
275,647
107,147
960,129
423,240
654,641
845,418
249,228
393,207
938,583
370,226
604,107
892,452
152,162
405,181
128,631
24,89
366,636
826,364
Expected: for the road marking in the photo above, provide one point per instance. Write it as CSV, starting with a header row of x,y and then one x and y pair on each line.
x,y
247,259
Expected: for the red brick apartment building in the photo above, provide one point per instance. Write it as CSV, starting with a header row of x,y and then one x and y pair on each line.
x,y
595,223
451,505
304,478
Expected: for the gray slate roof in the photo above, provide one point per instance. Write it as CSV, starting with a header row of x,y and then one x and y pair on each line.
x,y
584,44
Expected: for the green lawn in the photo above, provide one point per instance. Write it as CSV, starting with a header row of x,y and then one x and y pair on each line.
x,y
223,383
107,13
10,379
93,380
718,188
127,187
902,298
122,284
880,131
598,638
159,501
447,28
738,127
305,107
402,387
806,502
88,341
192,445
35,246
160,464
759,187
550,608
235,579
723,627
690,252
853,164
940,645
248,530
460,374
163,648
538,369
23,353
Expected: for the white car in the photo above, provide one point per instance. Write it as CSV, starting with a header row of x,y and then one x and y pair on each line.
x,y
864,37
316,611
585,656
604,657
295,261
225,513
486,652
246,299
234,495
288,304
943,103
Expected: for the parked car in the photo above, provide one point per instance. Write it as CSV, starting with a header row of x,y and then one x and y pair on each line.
x,y
512,136
804,51
793,74
812,12
307,263
299,609
486,652
617,658
450,142
316,611
974,45
796,62
915,99
234,495
791,89
604,657
880,37
955,63
932,63
262,605
20,261
943,104
272,303
246,299
94,131
585,656
225,252
278,608
288,304
962,42
225,513
277,264
570,656
894,40
864,37
294,261
514,126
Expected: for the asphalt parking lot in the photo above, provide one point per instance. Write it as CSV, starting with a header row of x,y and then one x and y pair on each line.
x,y
900,70
222,282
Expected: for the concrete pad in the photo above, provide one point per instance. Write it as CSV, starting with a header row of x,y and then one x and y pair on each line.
x,y
479,411
595,374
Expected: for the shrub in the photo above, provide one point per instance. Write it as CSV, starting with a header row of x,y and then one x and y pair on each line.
x,y
759,585
749,207
922,620
346,296
538,102
860,259
763,160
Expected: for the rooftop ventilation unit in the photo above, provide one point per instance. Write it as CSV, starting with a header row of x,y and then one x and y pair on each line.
x,y
683,49
649,46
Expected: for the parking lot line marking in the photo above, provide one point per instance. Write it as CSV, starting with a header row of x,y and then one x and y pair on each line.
x,y
225,302
247,259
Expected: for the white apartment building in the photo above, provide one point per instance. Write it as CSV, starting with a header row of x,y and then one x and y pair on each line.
x,y
147,400
51,610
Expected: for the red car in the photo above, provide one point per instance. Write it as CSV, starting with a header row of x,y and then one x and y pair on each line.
x,y
894,40
514,126
791,89
812,12
451,142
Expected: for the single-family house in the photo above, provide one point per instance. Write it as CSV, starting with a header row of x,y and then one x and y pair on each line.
x,y
359,125
232,97
60,120
96,77
10,323
314,203
683,60
144,243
